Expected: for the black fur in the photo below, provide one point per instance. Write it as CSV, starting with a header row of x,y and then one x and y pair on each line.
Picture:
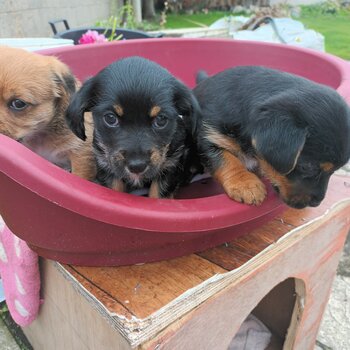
x,y
292,123
124,151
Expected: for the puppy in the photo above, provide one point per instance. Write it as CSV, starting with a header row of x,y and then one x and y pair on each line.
x,y
35,91
289,129
143,124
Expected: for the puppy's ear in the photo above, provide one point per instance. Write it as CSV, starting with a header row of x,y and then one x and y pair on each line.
x,y
64,84
201,75
81,102
187,106
278,139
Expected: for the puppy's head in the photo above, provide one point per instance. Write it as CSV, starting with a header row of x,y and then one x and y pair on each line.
x,y
302,137
33,89
141,115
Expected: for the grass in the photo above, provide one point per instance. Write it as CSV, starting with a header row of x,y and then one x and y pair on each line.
x,y
195,20
335,27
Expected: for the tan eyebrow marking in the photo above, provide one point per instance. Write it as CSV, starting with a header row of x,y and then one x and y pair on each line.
x,y
154,111
327,166
119,110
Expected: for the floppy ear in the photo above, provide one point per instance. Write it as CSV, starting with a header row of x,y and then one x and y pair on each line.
x,y
81,102
187,106
64,84
278,139
201,75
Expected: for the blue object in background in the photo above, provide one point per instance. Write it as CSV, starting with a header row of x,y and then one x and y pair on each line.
x,y
2,295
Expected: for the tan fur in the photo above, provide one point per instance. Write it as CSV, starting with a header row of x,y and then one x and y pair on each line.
x,y
327,167
222,141
40,82
118,185
119,110
118,156
276,179
239,184
158,156
154,111
154,190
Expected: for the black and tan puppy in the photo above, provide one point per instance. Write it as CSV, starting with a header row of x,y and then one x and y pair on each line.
x,y
289,129
143,122
35,91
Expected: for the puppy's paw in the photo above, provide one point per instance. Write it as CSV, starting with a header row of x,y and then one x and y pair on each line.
x,y
250,190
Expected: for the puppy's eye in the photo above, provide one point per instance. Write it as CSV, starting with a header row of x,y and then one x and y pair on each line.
x,y
308,170
160,121
111,120
18,105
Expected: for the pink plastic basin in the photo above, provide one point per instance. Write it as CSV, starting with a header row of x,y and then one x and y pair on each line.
x,y
71,220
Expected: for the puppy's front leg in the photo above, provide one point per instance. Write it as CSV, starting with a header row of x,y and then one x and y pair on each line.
x,y
118,185
161,189
239,184
83,163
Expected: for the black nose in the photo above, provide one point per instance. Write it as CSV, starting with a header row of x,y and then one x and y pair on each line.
x,y
315,202
137,166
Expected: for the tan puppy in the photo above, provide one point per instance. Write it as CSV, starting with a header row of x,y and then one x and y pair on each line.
x,y
35,91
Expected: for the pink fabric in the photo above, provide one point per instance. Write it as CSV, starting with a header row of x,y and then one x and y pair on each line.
x,y
19,271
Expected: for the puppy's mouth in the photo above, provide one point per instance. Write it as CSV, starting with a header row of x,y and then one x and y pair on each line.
x,y
137,179
296,203
135,176
299,203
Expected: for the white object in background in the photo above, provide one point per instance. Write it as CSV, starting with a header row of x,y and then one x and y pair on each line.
x,y
252,335
293,32
233,23
34,44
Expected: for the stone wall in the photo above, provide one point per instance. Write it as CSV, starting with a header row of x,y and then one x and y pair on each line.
x,y
29,18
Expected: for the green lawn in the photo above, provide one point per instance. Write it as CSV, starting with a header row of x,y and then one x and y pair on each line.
x,y
336,30
195,20
335,27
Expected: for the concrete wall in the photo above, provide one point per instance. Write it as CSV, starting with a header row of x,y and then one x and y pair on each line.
x,y
29,18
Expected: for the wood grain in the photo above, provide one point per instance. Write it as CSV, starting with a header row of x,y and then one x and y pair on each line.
x,y
213,324
144,289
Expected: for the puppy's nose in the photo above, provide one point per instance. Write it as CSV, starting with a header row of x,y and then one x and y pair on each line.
x,y
137,166
315,201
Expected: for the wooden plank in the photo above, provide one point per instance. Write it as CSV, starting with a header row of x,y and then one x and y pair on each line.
x,y
67,320
300,294
213,324
111,304
234,254
144,289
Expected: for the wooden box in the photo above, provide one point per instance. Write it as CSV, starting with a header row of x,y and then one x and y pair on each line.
x,y
282,272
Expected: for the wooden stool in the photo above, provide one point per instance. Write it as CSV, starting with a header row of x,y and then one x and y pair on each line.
x,y
282,272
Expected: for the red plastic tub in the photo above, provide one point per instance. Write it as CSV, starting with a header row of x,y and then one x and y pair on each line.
x,y
71,220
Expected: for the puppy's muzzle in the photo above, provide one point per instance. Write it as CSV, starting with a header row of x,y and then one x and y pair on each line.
x,y
137,166
299,202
